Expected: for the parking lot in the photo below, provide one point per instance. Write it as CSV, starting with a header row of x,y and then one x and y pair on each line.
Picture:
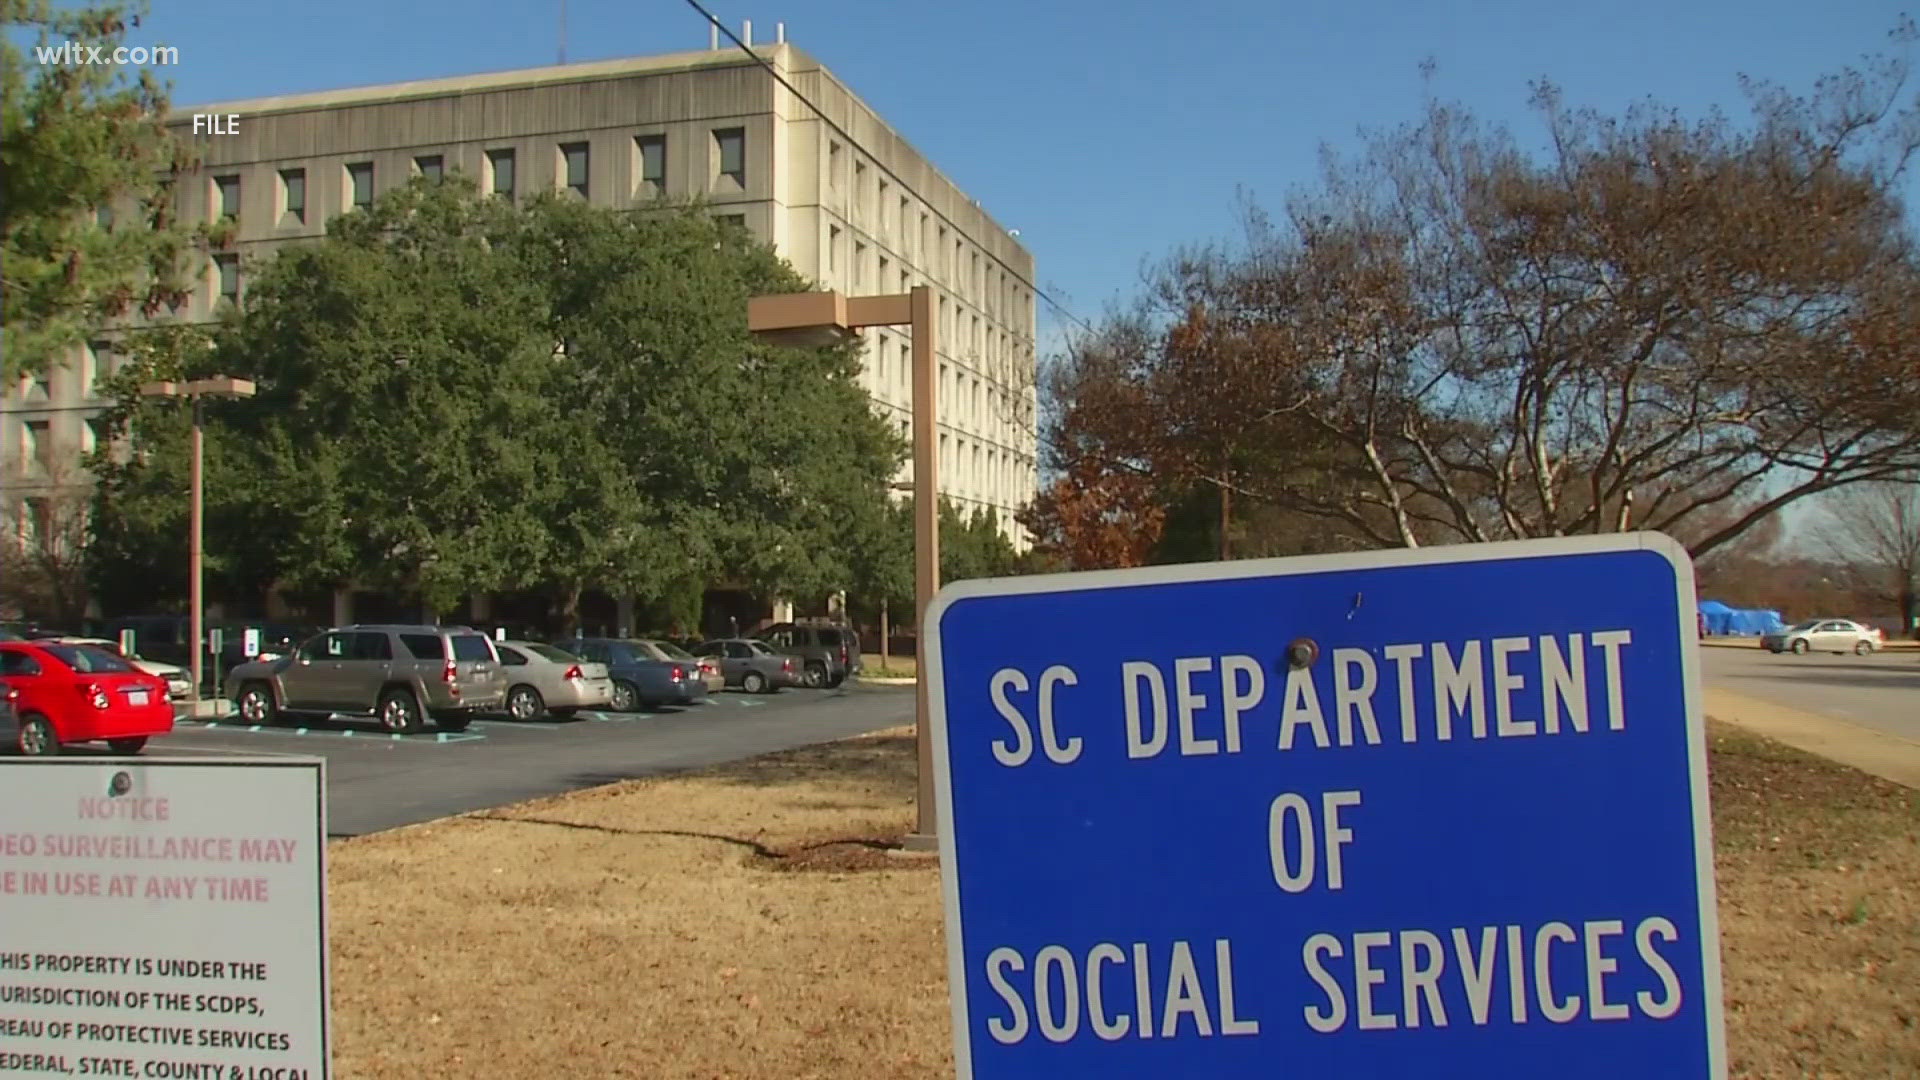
x,y
377,780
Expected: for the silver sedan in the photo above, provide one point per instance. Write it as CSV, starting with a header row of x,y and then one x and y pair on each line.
x,y
543,680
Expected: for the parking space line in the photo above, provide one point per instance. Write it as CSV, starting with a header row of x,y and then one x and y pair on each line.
x,y
344,733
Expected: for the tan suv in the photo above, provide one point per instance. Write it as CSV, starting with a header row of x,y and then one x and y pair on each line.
x,y
401,675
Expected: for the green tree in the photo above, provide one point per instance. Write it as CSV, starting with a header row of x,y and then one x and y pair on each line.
x,y
460,395
87,233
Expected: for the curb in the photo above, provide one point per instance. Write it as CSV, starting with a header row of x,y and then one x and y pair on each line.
x,y
1889,757
889,681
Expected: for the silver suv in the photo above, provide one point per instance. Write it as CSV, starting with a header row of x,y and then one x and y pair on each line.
x,y
400,674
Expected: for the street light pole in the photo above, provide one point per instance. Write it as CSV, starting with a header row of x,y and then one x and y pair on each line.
x,y
195,584
926,549
196,393
818,319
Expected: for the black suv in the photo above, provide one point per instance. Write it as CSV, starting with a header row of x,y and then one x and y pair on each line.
x,y
830,651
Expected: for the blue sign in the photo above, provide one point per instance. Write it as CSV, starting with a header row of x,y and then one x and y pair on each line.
x,y
1432,812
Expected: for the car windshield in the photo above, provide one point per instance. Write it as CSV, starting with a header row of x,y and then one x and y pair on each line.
x,y
471,647
671,651
548,652
87,659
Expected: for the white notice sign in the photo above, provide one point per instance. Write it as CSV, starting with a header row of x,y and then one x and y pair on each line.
x,y
163,918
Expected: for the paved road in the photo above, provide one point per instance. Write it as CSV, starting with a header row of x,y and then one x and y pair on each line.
x,y
379,781
1881,691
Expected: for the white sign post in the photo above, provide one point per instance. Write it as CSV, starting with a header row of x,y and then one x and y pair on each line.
x,y
164,918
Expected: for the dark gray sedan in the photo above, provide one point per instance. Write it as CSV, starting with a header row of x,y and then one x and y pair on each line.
x,y
639,679
751,666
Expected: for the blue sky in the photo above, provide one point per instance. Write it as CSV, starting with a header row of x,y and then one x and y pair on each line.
x,y
1107,133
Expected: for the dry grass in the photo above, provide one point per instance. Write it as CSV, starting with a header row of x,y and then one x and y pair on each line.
x,y
657,929
1819,871
902,667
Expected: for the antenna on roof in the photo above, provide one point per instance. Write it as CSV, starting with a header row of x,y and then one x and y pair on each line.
x,y
563,32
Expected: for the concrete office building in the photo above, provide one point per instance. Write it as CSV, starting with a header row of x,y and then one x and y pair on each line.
x,y
860,215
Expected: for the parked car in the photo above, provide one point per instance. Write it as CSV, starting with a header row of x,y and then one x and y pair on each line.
x,y
748,664
178,679
542,679
64,694
829,653
1823,635
641,678
666,649
401,674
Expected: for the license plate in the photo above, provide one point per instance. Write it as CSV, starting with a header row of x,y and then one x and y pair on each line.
x,y
136,697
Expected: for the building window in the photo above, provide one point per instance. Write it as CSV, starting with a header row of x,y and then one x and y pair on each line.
x,y
833,249
732,221
360,180
940,253
880,275
881,207
500,167
906,365
650,154
859,189
906,281
859,265
431,166
99,433
293,195
228,267
37,444
227,195
730,145
573,162
833,164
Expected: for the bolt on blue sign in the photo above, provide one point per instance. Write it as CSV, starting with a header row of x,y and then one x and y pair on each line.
x,y
1432,812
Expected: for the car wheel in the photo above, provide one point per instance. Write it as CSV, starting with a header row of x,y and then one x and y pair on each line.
x,y
257,706
36,737
1862,648
816,676
525,703
626,697
754,683
1800,647
456,724
835,682
128,746
399,711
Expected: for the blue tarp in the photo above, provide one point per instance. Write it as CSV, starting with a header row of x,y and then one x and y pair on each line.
x,y
1724,621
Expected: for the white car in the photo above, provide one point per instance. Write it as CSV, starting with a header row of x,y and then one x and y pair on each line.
x,y
1824,635
179,681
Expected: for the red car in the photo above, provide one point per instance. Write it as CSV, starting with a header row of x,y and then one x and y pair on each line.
x,y
75,693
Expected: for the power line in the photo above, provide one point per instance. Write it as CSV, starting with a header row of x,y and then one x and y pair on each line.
x,y
1056,305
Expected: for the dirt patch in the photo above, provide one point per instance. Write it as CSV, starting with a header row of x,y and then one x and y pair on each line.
x,y
752,921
